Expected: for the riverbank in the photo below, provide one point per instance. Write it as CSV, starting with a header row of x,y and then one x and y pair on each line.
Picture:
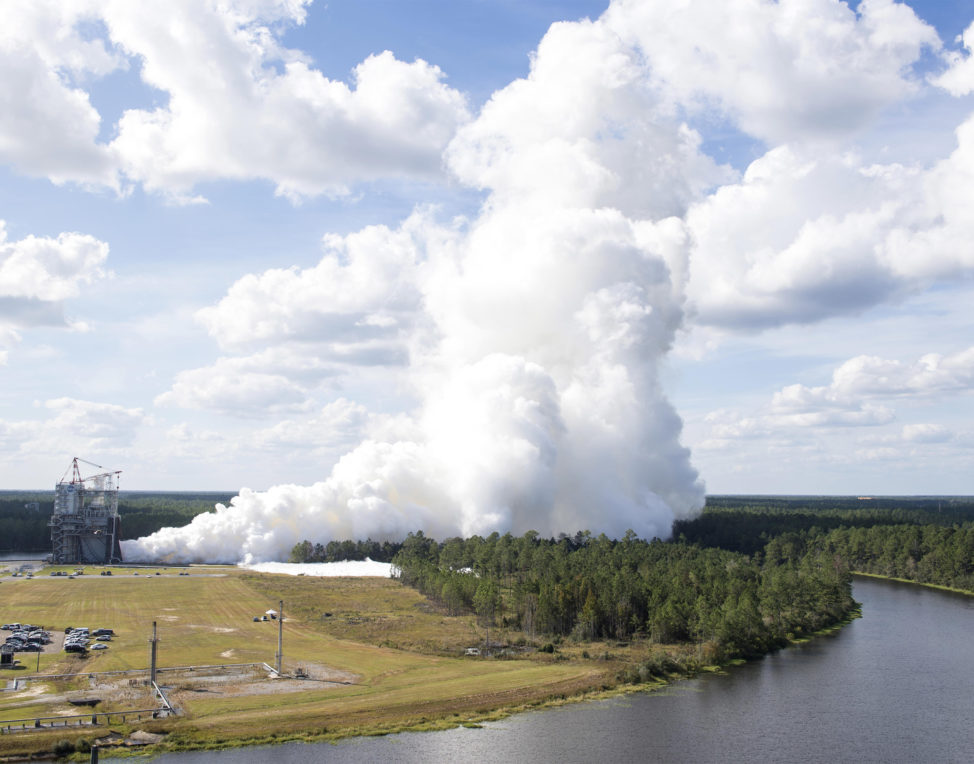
x,y
478,719
939,587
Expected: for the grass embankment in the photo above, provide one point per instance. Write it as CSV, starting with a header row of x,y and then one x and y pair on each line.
x,y
941,587
209,619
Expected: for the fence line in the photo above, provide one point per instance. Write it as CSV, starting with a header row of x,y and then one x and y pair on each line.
x,y
81,720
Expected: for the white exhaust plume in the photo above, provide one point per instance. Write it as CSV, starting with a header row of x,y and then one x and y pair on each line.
x,y
535,348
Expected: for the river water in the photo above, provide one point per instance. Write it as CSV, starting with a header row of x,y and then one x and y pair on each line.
x,y
896,685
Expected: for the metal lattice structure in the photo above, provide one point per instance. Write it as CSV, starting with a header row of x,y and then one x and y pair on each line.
x,y
85,525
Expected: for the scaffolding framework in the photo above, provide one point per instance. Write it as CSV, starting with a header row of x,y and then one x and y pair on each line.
x,y
85,525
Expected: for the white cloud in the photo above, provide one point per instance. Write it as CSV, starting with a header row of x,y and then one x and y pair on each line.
x,y
926,433
584,129
794,241
48,126
811,231
359,307
359,298
73,426
46,269
784,71
224,388
237,104
334,430
856,397
958,79
933,241
37,274
932,374
806,236
800,406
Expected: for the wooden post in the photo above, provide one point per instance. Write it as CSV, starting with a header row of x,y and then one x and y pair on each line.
x,y
152,658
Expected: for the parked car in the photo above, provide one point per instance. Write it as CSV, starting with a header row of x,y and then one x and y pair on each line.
x,y
99,647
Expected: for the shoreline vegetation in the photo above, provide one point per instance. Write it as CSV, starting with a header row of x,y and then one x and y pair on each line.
x,y
556,620
938,587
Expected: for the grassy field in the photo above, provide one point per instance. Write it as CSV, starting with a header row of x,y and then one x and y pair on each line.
x,y
398,655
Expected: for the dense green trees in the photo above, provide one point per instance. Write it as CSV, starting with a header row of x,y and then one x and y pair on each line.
x,y
923,540
739,580
928,554
338,551
588,587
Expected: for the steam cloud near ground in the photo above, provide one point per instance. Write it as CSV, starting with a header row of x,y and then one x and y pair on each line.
x,y
541,407
535,332
534,355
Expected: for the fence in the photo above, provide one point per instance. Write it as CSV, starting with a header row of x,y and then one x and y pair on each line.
x,y
80,720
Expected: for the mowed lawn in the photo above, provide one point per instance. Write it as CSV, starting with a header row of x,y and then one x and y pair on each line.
x,y
208,619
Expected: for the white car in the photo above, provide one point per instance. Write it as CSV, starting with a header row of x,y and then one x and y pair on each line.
x,y
99,646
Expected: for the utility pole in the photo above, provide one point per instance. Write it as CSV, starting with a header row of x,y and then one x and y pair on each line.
x,y
152,654
280,636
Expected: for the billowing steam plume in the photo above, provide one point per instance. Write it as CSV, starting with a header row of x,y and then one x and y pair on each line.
x,y
534,333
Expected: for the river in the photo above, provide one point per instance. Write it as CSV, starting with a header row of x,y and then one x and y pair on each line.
x,y
894,686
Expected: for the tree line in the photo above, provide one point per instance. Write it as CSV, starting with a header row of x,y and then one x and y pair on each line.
x,y
339,551
586,588
928,541
24,528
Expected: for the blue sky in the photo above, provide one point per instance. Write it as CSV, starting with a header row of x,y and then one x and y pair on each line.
x,y
243,239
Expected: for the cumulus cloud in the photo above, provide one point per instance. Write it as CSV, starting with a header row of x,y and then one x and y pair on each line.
x,y
800,406
360,297
48,126
274,380
46,269
100,425
932,374
783,71
586,128
958,79
236,104
361,306
222,387
73,425
805,236
37,274
857,396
